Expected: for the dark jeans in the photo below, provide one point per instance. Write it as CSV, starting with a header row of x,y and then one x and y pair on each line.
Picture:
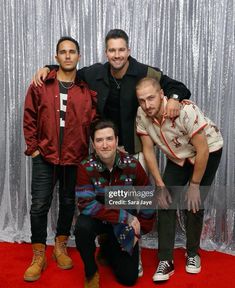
x,y
124,266
44,178
175,175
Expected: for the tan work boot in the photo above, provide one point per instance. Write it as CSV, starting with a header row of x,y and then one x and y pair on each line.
x,y
38,263
93,282
60,254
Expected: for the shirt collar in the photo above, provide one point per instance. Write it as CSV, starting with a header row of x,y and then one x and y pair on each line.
x,y
53,74
121,161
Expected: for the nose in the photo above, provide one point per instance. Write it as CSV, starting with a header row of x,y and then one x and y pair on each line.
x,y
67,55
147,104
116,54
104,144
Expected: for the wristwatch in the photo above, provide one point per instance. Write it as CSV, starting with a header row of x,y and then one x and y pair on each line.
x,y
175,97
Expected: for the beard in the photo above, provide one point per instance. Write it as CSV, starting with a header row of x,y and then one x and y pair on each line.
x,y
158,112
154,112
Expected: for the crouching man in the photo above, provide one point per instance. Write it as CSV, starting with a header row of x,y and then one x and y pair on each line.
x,y
109,167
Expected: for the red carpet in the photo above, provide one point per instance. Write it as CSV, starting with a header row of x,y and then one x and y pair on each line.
x,y
217,270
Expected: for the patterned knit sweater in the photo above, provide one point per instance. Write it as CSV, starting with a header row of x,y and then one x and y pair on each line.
x,y
93,177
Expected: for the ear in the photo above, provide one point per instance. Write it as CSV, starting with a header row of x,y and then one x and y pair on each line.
x,y
117,142
162,93
56,58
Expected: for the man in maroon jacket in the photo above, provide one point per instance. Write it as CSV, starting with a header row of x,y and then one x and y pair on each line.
x,y
57,118
105,168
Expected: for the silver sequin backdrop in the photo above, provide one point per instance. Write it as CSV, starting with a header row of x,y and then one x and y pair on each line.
x,y
190,40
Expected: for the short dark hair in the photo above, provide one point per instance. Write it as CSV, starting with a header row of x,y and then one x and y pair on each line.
x,y
67,38
102,124
115,34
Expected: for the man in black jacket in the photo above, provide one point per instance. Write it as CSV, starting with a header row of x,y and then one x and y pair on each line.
x,y
115,83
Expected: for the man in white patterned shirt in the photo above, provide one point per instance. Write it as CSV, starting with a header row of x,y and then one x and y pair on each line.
x,y
193,145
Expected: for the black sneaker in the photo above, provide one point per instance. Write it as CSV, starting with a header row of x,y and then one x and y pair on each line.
x,y
193,264
164,270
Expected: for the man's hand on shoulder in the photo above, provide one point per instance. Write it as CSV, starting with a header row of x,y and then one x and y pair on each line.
x,y
173,108
40,76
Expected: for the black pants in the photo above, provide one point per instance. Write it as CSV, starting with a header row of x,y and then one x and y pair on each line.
x,y
44,177
124,266
174,177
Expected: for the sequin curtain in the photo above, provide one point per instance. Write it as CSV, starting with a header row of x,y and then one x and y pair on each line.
x,y
192,41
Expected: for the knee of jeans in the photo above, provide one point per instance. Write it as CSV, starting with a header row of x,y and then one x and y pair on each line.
x,y
84,234
40,206
83,226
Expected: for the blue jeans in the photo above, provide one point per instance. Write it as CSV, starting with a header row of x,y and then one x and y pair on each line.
x,y
44,178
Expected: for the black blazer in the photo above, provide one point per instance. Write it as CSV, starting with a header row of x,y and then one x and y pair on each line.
x,y
97,78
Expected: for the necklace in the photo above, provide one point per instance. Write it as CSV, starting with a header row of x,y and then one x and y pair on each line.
x,y
118,84
66,87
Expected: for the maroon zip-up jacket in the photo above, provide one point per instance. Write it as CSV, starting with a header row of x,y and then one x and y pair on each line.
x,y
42,116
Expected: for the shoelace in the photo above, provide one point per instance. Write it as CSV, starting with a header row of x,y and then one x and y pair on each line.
x,y
63,247
191,261
162,266
37,254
